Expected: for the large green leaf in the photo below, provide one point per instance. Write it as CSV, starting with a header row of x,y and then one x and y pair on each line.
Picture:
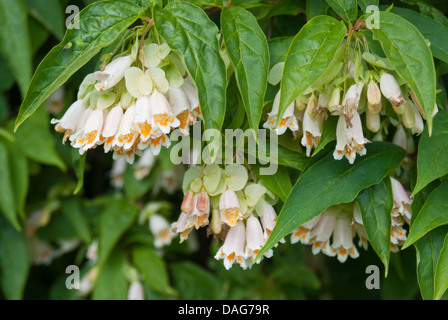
x,y
279,183
99,25
7,196
186,28
115,220
15,44
73,211
19,172
309,56
435,32
50,14
248,50
376,204
432,153
329,182
433,214
153,269
441,273
364,4
428,252
408,52
316,8
111,283
278,48
35,140
347,9
14,261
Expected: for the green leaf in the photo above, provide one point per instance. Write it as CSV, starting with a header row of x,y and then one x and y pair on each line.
x,y
111,283
433,214
50,14
328,133
441,274
79,165
309,56
195,283
316,8
15,44
99,25
432,153
19,173
7,196
153,269
409,53
435,32
428,252
278,48
347,9
14,261
73,211
186,28
366,3
329,182
376,204
248,50
279,183
35,140
114,221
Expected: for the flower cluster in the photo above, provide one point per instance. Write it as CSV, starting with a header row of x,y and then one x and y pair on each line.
x,y
365,88
333,231
235,209
132,104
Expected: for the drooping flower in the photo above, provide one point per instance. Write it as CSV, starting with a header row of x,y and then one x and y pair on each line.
x,y
111,127
350,139
183,226
229,208
255,240
312,131
161,230
391,90
233,248
136,291
144,165
69,122
288,119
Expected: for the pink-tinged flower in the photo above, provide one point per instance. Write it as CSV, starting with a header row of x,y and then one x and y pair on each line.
x,y
136,291
188,202
161,230
155,144
255,240
69,122
288,119
391,89
199,218
374,95
343,239
183,226
203,202
181,109
312,131
350,139
352,98
111,126
229,208
126,135
162,115
268,218
144,165
91,131
113,73
233,248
